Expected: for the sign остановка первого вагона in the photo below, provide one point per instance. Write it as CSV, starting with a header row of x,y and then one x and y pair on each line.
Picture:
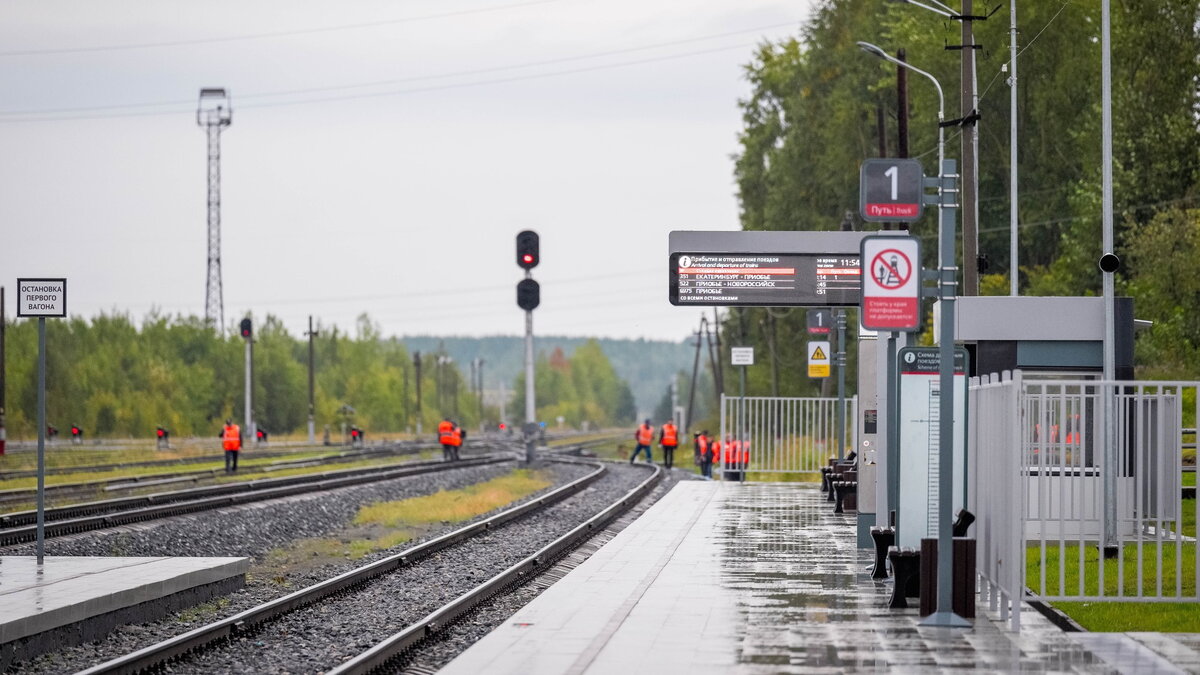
x,y
41,297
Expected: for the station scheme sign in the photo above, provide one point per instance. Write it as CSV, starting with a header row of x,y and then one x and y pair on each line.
x,y
42,297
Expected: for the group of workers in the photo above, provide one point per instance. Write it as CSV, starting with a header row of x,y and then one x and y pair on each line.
x,y
734,454
451,436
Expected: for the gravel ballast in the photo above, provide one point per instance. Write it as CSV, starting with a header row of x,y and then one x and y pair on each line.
x,y
317,638
250,530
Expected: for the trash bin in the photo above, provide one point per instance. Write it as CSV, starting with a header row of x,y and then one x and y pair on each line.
x,y
962,593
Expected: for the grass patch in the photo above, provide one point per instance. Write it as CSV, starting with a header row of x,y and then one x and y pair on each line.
x,y
789,477
1165,617
1064,571
384,525
203,612
1117,615
1189,479
454,506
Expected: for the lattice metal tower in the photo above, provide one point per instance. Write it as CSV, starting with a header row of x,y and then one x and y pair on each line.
x,y
214,113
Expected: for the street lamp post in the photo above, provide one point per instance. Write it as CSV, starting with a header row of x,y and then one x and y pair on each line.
x,y
947,200
970,137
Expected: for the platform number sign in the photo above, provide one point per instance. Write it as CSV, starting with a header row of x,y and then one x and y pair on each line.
x,y
820,322
891,298
891,190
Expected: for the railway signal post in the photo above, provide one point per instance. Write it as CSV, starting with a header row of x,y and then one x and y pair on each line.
x,y
247,327
528,298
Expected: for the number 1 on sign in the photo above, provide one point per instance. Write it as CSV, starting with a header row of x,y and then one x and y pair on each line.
x,y
893,173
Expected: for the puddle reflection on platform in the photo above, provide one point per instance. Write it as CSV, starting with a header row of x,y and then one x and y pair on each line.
x,y
807,602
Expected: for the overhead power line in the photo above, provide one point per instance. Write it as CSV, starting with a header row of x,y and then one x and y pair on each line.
x,y
69,113
267,35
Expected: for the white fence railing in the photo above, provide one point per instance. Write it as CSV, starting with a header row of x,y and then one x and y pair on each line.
x,y
1091,525
788,435
996,491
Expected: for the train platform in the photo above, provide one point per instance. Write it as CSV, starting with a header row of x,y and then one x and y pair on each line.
x,y
764,578
70,600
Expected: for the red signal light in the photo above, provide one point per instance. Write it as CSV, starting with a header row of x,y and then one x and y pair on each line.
x,y
503,427
160,433
74,431
527,258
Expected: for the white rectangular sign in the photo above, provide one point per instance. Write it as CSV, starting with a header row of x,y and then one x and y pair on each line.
x,y
42,297
742,356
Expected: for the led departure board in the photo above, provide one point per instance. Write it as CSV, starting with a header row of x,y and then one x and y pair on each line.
x,y
765,279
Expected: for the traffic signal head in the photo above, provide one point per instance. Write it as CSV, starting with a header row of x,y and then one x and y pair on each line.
x,y
527,250
529,294
247,328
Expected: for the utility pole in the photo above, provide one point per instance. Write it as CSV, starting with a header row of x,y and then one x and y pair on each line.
x,y
417,379
720,374
1014,270
695,371
969,106
214,112
312,423
480,390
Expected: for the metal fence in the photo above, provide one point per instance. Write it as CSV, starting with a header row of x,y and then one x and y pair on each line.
x,y
788,435
1069,516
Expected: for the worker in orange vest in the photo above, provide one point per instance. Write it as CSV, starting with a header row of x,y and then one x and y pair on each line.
x,y
456,441
231,441
644,435
446,438
668,438
706,452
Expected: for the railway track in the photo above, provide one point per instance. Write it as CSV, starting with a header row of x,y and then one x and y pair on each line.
x,y
20,527
124,483
353,594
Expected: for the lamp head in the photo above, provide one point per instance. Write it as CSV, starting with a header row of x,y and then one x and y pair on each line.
x,y
872,49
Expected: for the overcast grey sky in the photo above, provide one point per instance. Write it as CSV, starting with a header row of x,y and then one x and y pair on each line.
x,y
382,155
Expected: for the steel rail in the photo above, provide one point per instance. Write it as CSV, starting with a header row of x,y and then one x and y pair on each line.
x,y
396,645
205,499
286,458
249,620
16,518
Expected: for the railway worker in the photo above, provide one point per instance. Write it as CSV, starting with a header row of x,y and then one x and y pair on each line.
x,y
446,438
644,435
705,451
458,437
231,440
668,438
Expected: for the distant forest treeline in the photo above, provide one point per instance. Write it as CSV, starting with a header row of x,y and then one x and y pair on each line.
x,y
647,365
114,377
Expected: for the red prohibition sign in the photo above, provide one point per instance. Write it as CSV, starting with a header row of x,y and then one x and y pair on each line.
x,y
889,273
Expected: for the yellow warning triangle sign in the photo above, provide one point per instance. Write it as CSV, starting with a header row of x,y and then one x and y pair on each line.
x,y
819,354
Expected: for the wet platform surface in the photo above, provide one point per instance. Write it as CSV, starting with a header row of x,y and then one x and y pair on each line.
x,y
762,578
66,590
